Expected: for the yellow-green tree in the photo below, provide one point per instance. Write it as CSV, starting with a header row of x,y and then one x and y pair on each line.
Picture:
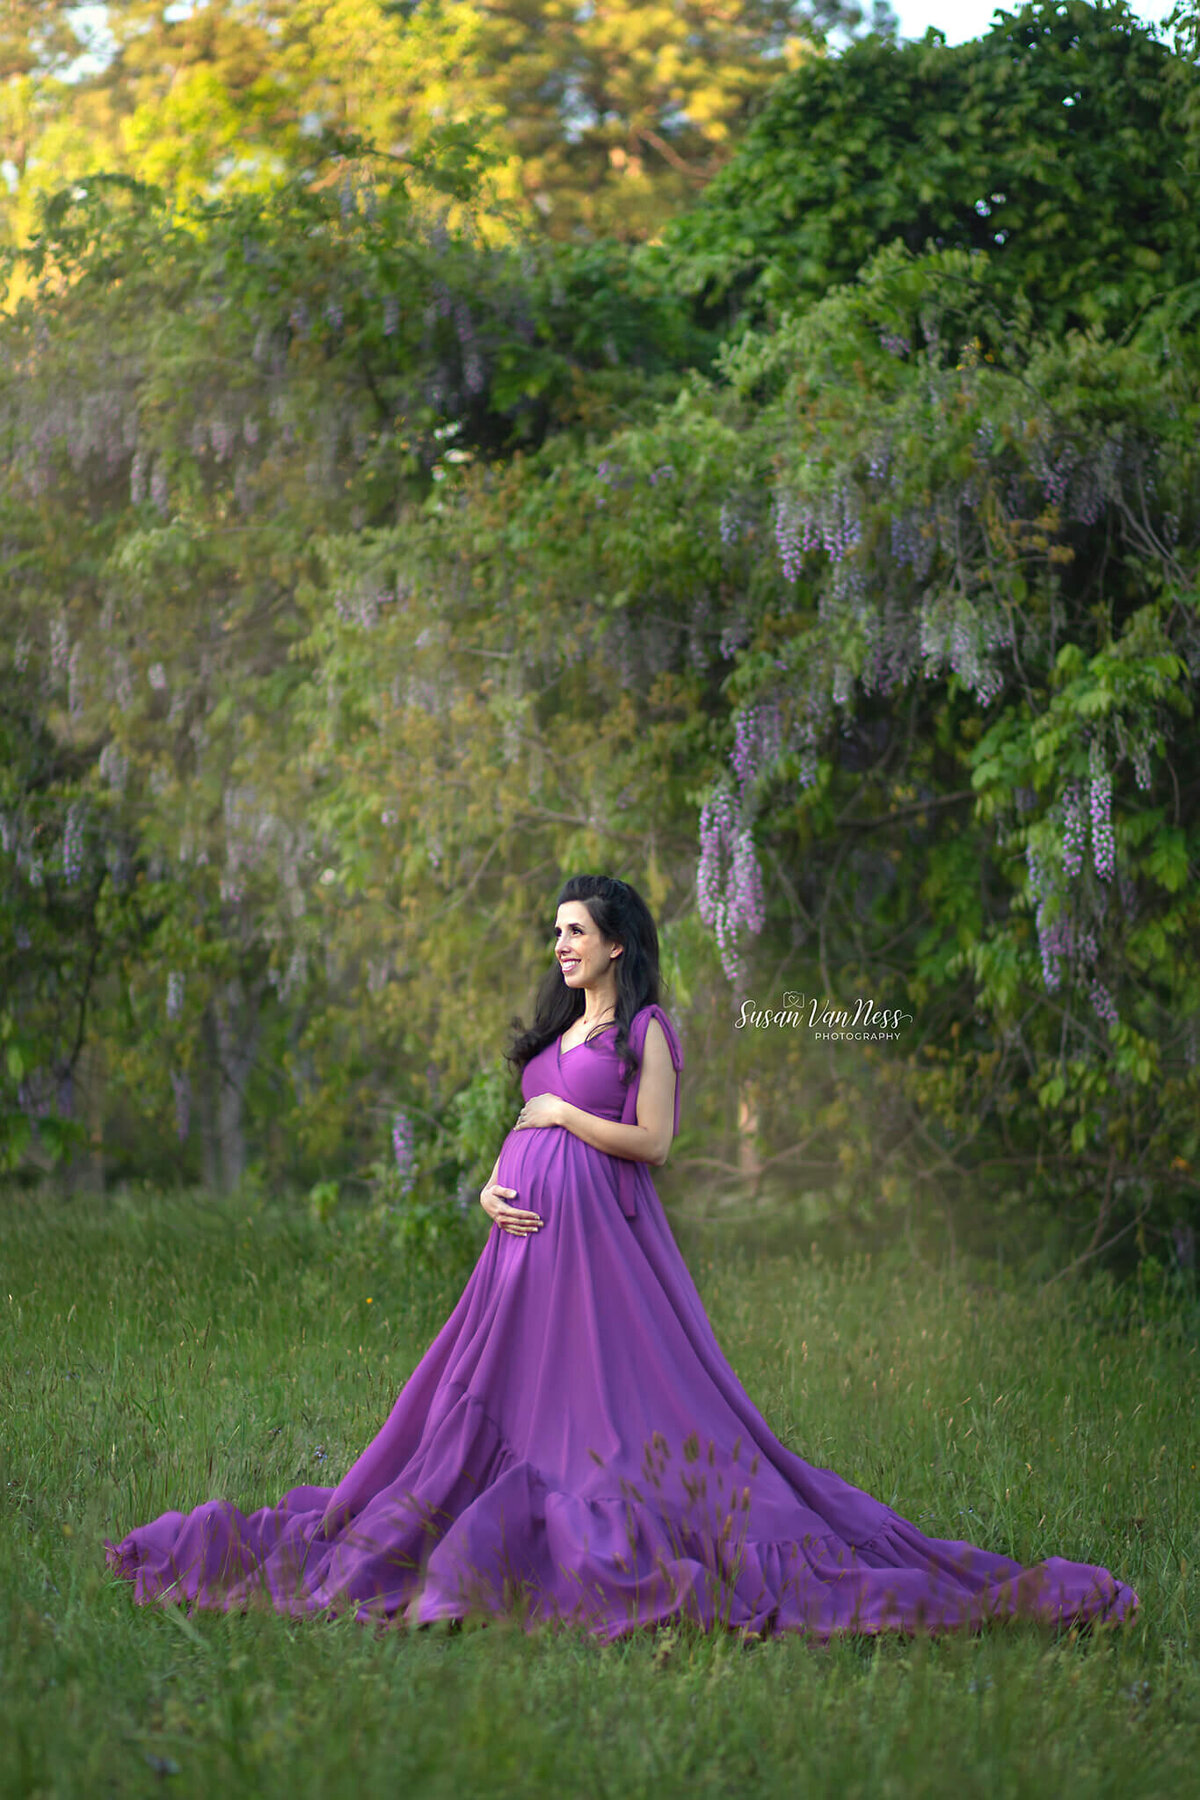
x,y
600,119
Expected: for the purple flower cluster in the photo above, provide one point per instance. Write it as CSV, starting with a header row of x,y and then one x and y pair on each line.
x,y
1140,757
890,652
728,880
1074,832
789,537
1102,1001
959,634
894,343
757,742
1056,476
729,525
114,766
733,638
839,526
222,436
403,1151
391,315
1100,806
1055,940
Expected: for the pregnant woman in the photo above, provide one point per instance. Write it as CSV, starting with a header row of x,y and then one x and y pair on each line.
x,y
574,1445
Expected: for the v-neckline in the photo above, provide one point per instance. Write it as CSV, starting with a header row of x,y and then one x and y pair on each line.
x,y
607,1026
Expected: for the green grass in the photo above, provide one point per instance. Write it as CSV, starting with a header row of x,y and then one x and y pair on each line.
x,y
158,1354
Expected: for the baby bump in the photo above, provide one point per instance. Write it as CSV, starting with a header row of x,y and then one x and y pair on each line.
x,y
548,1164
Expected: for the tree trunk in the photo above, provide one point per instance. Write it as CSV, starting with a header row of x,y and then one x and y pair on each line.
x,y
233,1035
87,1174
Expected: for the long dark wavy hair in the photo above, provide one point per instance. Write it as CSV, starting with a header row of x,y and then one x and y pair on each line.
x,y
622,916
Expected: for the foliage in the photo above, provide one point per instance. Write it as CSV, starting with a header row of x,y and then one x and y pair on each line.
x,y
1061,142
178,401
371,566
972,723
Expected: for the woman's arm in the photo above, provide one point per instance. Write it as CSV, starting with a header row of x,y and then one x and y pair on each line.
x,y
649,1140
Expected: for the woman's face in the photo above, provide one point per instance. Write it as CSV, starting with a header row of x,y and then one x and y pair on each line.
x,y
585,957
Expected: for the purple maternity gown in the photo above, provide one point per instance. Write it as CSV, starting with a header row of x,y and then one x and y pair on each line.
x,y
574,1445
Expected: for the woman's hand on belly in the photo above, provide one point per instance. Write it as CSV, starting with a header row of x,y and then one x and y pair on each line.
x,y
543,1109
496,1202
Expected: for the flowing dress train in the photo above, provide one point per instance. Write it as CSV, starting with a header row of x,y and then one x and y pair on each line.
x,y
574,1445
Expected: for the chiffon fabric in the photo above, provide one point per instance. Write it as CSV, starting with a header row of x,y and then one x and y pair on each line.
x,y
574,1446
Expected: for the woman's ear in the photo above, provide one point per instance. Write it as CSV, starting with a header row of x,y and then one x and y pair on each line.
x,y
615,951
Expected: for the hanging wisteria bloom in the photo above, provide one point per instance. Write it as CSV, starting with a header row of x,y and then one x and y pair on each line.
x,y
1103,843
1054,935
959,635
1140,756
729,524
789,536
757,741
1103,1003
1074,832
729,890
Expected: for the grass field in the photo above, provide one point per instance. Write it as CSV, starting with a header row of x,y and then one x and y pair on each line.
x,y
158,1353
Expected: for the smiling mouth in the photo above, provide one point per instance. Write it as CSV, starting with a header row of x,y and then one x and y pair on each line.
x,y
566,963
